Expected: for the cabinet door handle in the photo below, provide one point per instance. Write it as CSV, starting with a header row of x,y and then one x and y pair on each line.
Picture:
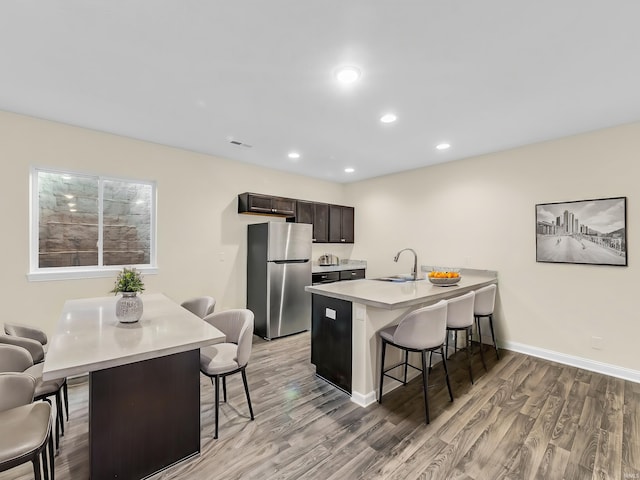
x,y
342,240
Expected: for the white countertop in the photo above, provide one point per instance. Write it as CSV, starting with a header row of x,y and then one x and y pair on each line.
x,y
350,265
88,336
392,295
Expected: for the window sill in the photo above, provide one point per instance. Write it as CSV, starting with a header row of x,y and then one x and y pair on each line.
x,y
75,274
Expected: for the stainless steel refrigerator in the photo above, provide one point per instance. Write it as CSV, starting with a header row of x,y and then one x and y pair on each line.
x,y
278,269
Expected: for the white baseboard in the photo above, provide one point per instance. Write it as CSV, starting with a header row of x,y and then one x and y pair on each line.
x,y
584,363
363,400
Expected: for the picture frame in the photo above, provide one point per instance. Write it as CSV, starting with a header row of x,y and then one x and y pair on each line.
x,y
591,232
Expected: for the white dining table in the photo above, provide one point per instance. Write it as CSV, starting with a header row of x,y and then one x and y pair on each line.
x,y
144,381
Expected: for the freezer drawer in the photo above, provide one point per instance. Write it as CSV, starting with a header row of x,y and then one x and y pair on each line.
x,y
289,306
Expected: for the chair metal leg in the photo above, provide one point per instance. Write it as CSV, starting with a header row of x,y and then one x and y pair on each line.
x,y
446,372
217,385
65,389
43,461
480,343
425,385
59,411
36,467
246,390
224,389
384,349
493,337
406,362
52,468
446,342
468,332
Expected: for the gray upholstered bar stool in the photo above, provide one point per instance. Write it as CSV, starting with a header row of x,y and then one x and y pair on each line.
x,y
460,318
200,306
223,359
25,427
422,330
483,308
18,360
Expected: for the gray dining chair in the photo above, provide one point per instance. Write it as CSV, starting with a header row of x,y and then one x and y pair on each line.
x,y
18,360
200,306
26,331
32,346
460,318
25,427
483,308
24,336
223,359
422,331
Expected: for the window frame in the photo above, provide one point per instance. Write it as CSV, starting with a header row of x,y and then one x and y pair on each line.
x,y
96,271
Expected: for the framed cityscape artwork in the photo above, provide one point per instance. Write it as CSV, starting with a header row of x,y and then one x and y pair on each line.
x,y
584,231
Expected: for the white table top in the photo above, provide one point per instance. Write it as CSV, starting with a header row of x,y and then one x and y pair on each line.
x,y
392,295
89,337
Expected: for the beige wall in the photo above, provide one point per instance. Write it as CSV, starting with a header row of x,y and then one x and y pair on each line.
x,y
480,213
477,213
201,238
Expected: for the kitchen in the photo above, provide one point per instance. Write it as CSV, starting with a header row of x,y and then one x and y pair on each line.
x,y
475,212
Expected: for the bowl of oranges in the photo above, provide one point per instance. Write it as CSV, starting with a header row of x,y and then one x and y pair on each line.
x,y
444,276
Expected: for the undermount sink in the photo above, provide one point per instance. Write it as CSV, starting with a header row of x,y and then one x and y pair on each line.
x,y
398,278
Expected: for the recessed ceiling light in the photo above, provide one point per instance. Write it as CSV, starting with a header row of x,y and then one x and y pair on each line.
x,y
73,210
71,204
388,118
294,155
442,146
349,170
347,75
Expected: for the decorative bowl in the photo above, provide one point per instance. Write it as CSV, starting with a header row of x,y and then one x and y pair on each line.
x,y
441,276
444,281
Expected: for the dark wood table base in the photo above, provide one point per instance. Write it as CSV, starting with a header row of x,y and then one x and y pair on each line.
x,y
144,416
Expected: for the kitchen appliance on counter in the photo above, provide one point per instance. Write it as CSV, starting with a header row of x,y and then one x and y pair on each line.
x,y
278,269
328,259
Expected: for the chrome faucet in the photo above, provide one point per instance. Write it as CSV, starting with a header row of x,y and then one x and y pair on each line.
x,y
414,273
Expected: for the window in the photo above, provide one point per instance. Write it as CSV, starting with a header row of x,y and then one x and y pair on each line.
x,y
85,225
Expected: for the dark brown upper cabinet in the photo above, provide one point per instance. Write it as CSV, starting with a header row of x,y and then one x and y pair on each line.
x,y
316,214
341,224
331,223
259,204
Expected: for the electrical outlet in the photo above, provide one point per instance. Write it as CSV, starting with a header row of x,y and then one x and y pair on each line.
x,y
597,343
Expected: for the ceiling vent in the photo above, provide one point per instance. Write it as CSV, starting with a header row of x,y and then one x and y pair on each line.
x,y
240,144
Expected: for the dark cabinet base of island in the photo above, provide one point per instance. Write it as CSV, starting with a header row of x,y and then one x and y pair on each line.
x,y
331,342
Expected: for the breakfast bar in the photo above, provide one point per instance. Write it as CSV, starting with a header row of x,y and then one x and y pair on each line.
x,y
347,315
144,381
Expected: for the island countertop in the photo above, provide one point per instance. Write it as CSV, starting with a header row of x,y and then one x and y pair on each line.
x,y
396,295
89,337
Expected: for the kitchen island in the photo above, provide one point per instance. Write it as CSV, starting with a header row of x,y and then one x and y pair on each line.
x,y
144,381
346,317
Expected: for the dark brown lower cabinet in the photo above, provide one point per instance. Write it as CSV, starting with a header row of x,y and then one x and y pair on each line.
x,y
331,331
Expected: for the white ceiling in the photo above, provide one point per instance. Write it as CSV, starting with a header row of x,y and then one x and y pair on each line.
x,y
481,75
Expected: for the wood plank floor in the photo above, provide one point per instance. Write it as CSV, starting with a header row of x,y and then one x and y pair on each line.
x,y
525,418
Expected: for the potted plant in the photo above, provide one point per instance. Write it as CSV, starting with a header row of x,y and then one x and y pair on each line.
x,y
129,283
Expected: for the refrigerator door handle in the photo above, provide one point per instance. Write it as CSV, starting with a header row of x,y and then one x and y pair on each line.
x,y
280,262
